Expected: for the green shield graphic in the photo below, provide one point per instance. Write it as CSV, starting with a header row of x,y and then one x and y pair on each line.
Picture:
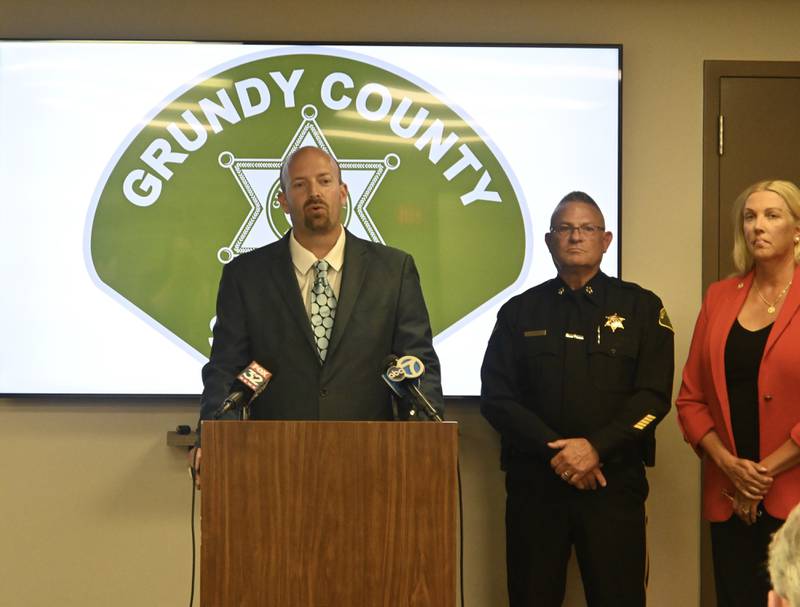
x,y
197,185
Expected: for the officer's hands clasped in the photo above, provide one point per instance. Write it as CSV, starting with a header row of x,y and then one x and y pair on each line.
x,y
577,463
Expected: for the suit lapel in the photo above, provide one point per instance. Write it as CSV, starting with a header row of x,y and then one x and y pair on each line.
x,y
285,282
354,270
732,301
787,312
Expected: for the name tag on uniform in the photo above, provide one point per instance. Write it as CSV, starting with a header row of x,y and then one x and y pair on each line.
x,y
573,336
535,333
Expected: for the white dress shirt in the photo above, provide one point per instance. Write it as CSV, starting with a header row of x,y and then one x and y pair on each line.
x,y
303,261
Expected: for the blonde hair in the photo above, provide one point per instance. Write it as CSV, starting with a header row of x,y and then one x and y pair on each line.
x,y
784,559
789,192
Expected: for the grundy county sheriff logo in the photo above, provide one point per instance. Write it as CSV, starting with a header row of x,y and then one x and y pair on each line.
x,y
260,183
197,185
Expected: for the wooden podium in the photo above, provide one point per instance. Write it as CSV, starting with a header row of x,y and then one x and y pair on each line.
x,y
328,514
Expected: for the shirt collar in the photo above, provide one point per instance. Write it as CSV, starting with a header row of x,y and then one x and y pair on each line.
x,y
303,259
593,290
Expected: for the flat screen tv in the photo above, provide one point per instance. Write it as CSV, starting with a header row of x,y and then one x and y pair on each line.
x,y
131,172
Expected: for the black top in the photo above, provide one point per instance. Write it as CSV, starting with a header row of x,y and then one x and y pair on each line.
x,y
595,363
743,352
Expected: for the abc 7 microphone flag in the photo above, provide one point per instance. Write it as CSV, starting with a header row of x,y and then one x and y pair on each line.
x,y
406,367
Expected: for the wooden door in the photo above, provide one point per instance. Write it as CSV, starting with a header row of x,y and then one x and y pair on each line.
x,y
751,132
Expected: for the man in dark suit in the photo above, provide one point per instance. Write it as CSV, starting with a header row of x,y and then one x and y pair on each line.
x,y
322,329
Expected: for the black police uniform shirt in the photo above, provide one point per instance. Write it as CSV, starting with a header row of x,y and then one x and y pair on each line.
x,y
595,363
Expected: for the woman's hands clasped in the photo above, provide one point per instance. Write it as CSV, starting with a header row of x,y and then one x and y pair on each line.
x,y
750,478
752,482
745,508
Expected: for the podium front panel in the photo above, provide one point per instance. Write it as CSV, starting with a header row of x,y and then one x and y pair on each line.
x,y
328,514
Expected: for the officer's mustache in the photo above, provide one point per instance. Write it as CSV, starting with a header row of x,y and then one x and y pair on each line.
x,y
313,200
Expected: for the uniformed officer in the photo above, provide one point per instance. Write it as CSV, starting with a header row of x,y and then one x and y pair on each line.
x,y
577,374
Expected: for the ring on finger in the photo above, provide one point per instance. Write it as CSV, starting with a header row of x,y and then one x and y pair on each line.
x,y
565,476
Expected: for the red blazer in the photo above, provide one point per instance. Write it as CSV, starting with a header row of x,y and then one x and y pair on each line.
x,y
703,405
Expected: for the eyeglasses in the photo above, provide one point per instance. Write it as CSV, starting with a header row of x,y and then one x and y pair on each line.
x,y
564,229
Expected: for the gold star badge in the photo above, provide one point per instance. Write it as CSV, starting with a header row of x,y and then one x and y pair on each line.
x,y
614,322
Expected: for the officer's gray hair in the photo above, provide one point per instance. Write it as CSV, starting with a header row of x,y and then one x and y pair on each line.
x,y
575,196
784,559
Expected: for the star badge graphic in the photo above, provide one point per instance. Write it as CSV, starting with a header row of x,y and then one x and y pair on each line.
x,y
259,180
614,322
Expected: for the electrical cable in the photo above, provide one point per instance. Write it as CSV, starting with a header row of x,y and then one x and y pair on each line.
x,y
193,472
460,533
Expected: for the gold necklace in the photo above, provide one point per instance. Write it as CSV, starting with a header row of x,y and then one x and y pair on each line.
x,y
771,306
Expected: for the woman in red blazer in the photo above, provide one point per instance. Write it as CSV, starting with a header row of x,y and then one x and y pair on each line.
x,y
739,403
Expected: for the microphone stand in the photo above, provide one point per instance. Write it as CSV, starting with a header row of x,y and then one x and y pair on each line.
x,y
429,409
230,403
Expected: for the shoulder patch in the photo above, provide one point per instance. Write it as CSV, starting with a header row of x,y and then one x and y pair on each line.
x,y
664,321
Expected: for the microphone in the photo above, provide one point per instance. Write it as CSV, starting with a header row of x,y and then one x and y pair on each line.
x,y
402,376
248,385
393,376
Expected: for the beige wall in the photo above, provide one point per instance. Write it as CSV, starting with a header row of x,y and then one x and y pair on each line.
x,y
94,506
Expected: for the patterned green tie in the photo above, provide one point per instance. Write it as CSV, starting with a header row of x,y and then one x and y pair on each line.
x,y
323,308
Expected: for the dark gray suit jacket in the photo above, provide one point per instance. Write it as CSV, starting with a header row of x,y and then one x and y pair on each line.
x,y
261,317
